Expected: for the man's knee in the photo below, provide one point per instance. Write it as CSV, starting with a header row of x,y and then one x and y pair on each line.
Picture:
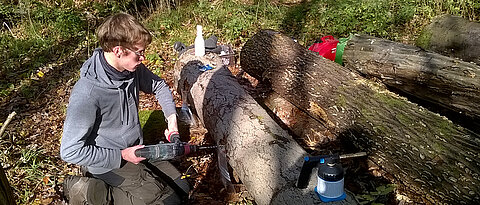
x,y
85,190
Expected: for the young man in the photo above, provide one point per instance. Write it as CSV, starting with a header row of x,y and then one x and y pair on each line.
x,y
102,128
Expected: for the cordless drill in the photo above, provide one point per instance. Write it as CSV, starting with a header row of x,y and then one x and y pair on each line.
x,y
166,151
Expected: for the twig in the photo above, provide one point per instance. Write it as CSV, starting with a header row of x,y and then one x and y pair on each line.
x,y
8,27
7,121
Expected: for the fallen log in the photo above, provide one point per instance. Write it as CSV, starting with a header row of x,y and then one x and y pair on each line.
x,y
446,82
425,152
452,36
265,157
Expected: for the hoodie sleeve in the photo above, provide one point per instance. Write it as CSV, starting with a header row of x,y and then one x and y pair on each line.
x,y
79,123
152,84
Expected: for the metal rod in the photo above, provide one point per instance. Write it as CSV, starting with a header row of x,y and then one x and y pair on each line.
x,y
358,154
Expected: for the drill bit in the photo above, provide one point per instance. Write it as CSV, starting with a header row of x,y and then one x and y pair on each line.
x,y
208,147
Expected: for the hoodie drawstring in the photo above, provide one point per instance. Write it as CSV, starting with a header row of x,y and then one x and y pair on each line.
x,y
122,98
121,104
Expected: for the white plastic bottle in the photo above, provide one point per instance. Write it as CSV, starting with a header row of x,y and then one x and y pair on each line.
x,y
199,42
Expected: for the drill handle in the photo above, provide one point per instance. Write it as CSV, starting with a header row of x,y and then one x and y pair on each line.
x,y
161,151
143,152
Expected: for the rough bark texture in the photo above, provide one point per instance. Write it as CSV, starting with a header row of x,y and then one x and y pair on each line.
x,y
266,158
438,79
424,151
309,131
453,36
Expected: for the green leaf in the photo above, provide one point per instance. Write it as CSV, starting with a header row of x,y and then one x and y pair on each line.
x,y
384,190
366,197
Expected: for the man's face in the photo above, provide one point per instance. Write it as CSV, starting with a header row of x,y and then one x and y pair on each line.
x,y
132,57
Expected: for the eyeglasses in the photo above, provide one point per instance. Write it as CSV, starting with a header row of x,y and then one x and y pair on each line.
x,y
138,53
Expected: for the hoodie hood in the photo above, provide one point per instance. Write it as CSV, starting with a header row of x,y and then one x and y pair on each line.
x,y
93,70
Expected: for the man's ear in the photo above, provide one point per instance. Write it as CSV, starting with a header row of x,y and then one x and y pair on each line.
x,y
118,51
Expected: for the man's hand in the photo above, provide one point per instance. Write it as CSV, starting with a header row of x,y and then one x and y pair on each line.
x,y
171,133
172,136
172,123
128,154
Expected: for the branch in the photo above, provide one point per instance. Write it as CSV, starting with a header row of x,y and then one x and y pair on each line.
x,y
4,126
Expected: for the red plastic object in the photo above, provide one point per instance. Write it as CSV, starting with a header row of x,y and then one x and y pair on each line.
x,y
327,48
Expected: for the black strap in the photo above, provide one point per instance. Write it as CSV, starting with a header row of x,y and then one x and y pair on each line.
x,y
167,179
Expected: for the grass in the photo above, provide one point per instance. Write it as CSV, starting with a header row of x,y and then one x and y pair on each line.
x,y
37,33
153,123
234,21
31,172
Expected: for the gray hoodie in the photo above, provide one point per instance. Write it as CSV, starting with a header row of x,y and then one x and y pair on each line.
x,y
102,115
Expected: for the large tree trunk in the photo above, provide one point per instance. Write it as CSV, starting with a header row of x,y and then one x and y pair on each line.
x,y
422,150
438,79
265,157
453,36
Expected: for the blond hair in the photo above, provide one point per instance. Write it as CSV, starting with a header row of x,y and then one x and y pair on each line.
x,y
122,30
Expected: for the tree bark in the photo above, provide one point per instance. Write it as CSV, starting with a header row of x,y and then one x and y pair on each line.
x,y
6,194
265,157
425,152
446,82
452,36
308,131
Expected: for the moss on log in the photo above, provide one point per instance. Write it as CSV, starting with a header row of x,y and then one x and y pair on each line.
x,y
424,151
445,82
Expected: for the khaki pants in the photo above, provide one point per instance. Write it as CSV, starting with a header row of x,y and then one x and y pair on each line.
x,y
134,185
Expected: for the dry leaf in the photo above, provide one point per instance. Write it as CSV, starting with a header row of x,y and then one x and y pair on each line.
x,y
46,179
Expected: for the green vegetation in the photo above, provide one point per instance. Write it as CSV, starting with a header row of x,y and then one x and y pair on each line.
x,y
37,33
373,196
423,39
234,22
30,37
32,166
